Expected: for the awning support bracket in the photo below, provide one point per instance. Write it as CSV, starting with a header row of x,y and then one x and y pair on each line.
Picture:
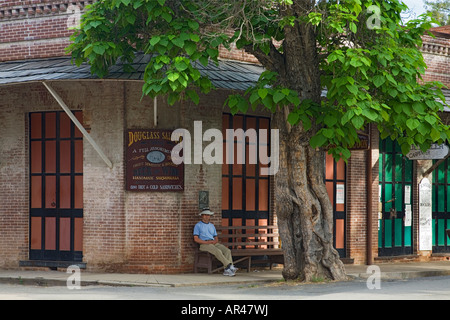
x,y
78,125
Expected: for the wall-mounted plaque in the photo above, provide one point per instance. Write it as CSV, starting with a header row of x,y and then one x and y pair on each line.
x,y
425,216
149,163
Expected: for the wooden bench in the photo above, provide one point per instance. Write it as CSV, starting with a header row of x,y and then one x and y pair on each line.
x,y
244,242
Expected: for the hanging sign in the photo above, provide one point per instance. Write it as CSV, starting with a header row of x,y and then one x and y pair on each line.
x,y
149,163
435,152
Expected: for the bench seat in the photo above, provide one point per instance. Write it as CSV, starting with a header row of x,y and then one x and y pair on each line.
x,y
245,243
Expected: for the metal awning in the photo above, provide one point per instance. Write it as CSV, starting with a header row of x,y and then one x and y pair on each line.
x,y
233,75
228,75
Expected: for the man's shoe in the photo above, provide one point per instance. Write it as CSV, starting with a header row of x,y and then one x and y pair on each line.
x,y
228,272
233,268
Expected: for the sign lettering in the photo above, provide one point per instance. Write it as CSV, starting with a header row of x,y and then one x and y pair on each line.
x,y
149,161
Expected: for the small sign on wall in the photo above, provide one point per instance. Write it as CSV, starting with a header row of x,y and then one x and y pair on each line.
x,y
340,193
149,165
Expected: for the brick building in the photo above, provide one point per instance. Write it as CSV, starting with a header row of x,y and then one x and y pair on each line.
x,y
64,198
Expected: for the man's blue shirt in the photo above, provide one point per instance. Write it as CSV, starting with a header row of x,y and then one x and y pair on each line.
x,y
205,231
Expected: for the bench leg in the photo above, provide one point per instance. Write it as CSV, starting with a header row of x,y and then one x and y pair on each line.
x,y
195,263
210,263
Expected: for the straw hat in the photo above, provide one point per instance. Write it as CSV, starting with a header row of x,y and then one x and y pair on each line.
x,y
206,211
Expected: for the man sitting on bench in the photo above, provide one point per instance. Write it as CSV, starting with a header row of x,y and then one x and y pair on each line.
x,y
205,235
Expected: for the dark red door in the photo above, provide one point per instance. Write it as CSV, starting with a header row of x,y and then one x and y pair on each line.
x,y
245,191
56,187
335,180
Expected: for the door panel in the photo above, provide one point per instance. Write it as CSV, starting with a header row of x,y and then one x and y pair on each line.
x,y
395,176
441,208
56,187
335,182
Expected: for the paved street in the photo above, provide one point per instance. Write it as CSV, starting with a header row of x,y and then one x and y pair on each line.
x,y
436,288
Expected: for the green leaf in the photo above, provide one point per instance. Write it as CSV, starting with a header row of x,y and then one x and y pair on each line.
x,y
307,124
423,129
347,117
430,119
330,120
178,42
406,147
294,99
137,4
131,19
166,16
328,133
378,81
173,76
419,107
352,88
194,37
370,114
154,40
193,25
190,47
278,96
391,79
318,141
263,93
213,53
181,66
254,97
412,123
99,49
358,122
392,92
194,96
293,118
204,61
435,135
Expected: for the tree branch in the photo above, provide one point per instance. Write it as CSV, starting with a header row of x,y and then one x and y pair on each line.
x,y
274,61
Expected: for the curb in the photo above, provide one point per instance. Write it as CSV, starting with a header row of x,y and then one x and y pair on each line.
x,y
402,275
48,282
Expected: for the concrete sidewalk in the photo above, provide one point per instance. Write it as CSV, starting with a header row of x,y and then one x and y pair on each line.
x,y
389,271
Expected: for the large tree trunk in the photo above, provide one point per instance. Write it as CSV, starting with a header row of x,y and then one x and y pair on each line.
x,y
304,211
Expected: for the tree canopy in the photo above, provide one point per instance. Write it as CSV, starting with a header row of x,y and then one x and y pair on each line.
x,y
370,65
332,68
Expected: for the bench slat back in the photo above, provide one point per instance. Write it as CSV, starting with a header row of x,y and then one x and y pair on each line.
x,y
249,237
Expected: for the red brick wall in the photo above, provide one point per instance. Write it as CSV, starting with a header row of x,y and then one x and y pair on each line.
x,y
357,202
13,182
35,29
38,29
123,231
436,52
